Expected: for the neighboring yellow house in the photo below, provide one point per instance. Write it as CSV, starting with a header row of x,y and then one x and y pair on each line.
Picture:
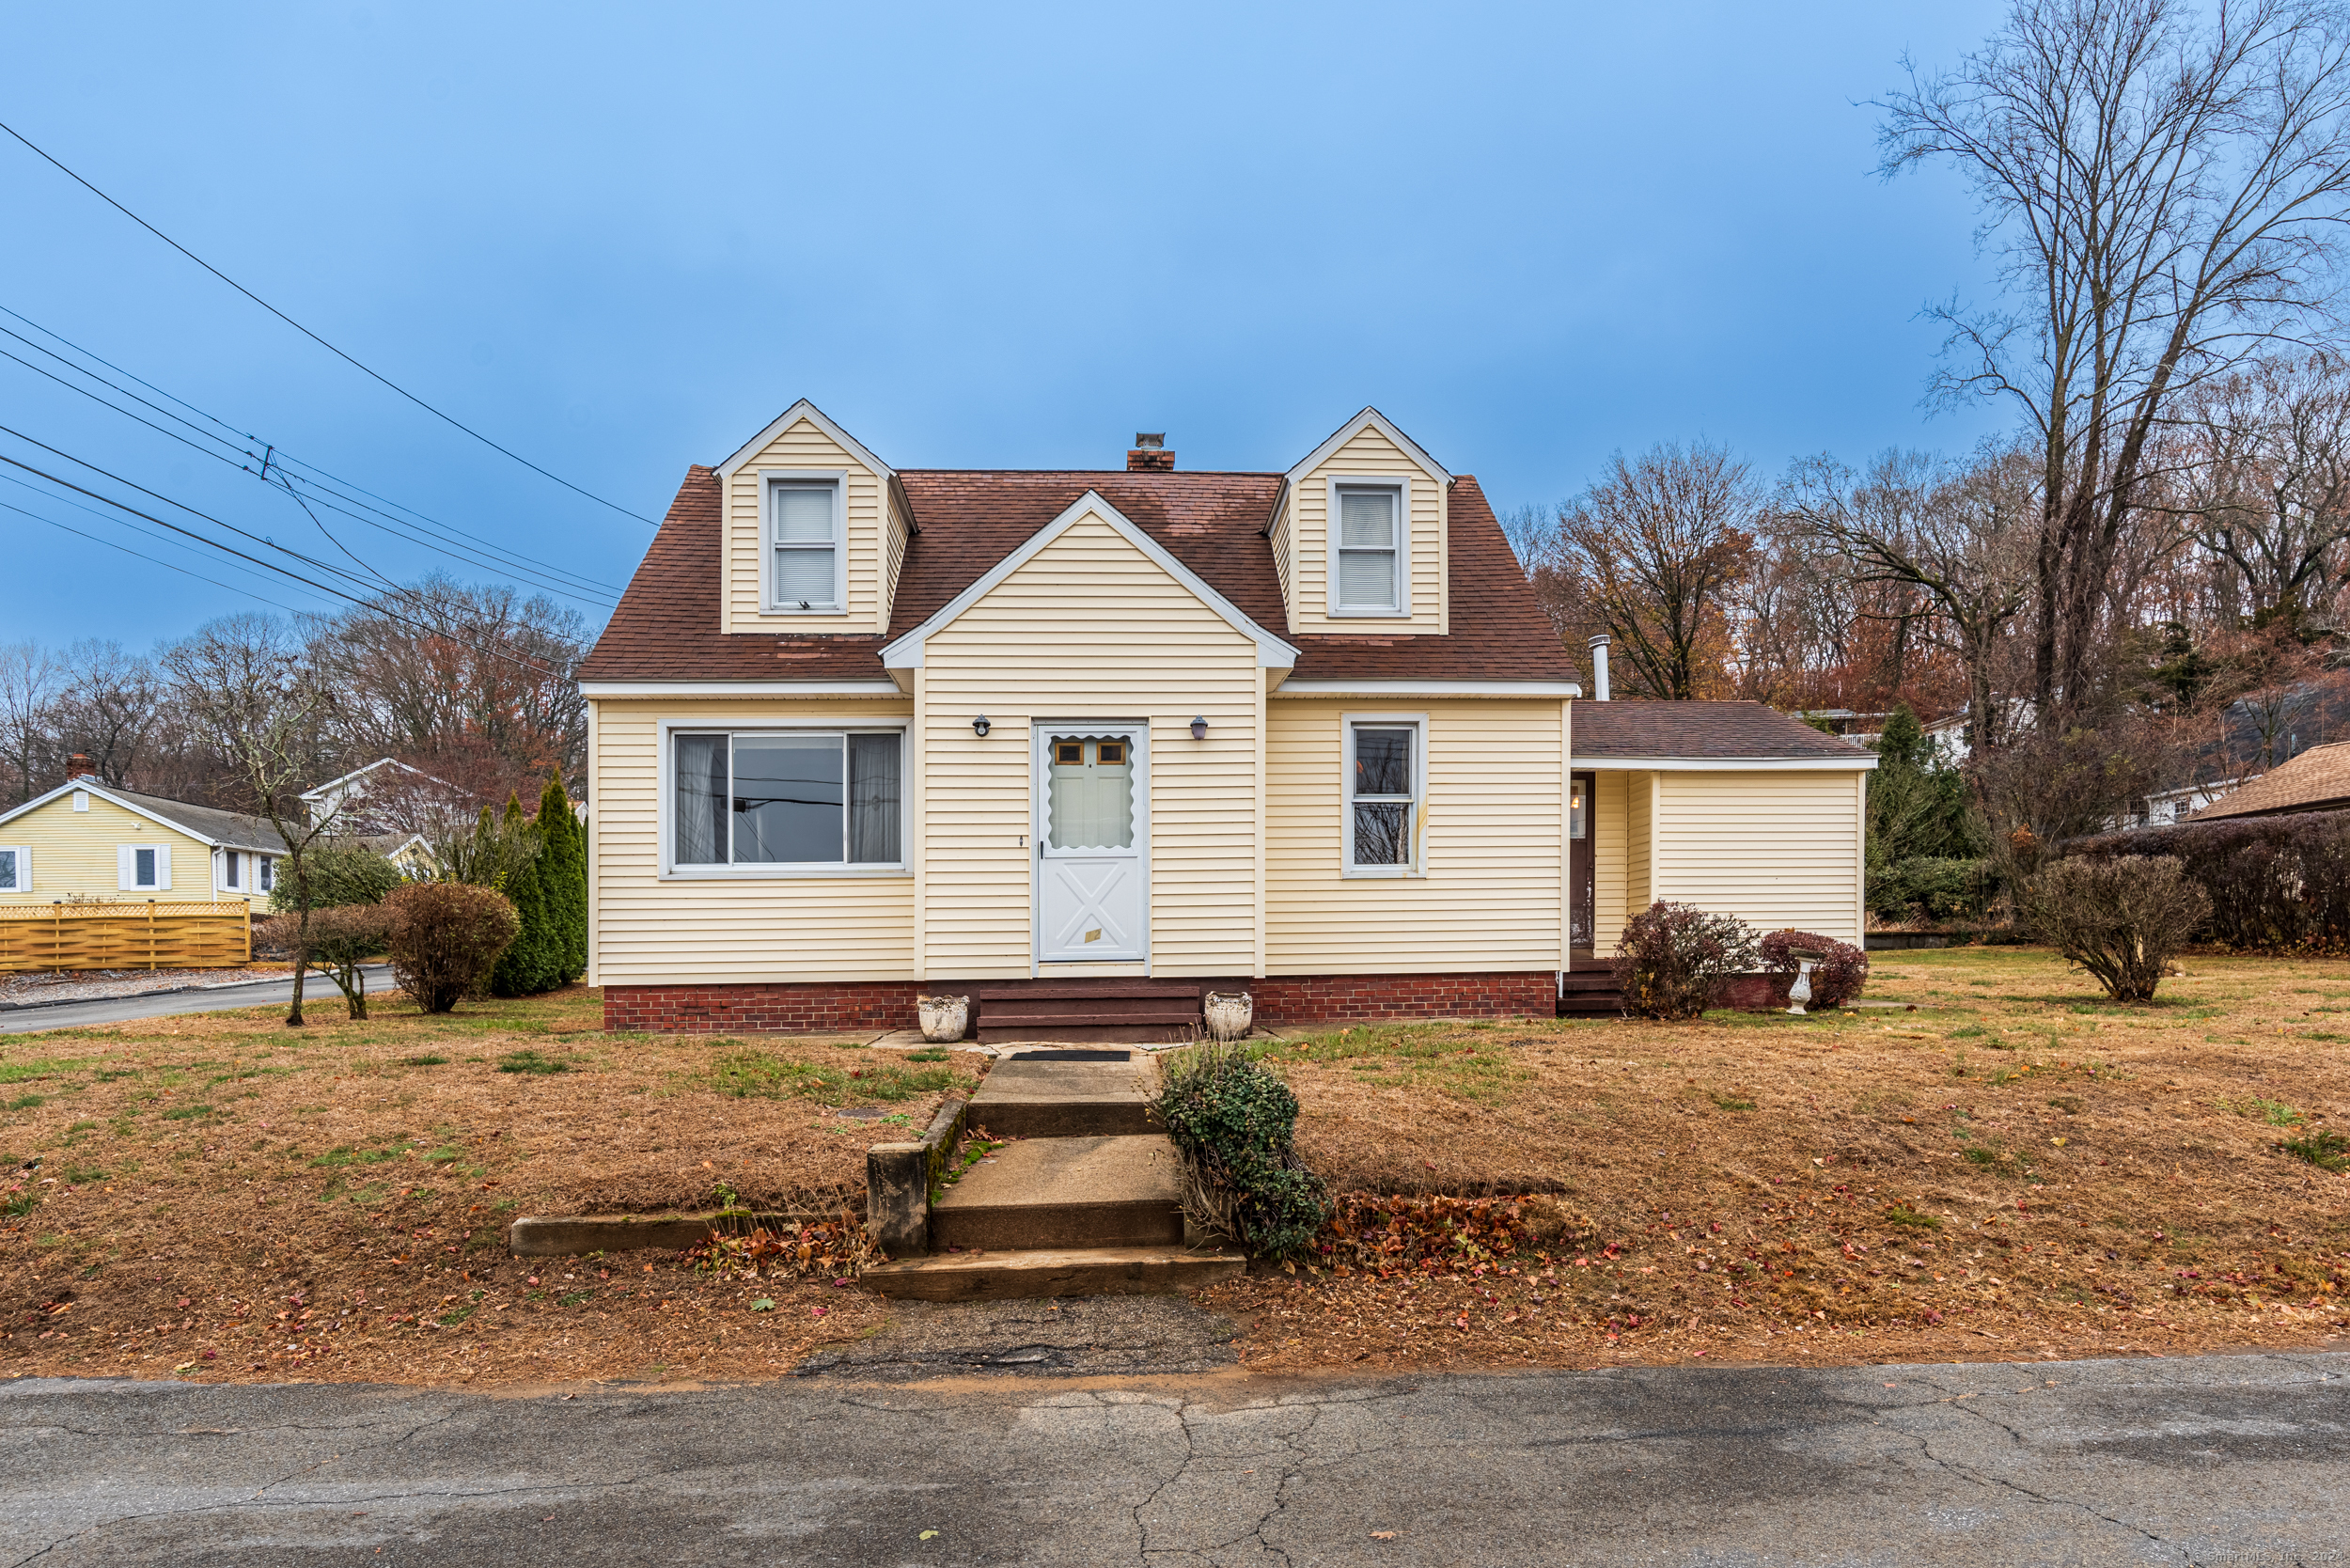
x,y
87,842
1083,744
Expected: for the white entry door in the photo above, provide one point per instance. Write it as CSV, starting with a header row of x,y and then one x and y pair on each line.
x,y
1092,838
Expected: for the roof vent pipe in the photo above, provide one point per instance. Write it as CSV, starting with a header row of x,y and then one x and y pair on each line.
x,y
1599,667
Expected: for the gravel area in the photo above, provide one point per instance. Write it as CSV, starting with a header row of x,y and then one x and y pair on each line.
x,y
87,985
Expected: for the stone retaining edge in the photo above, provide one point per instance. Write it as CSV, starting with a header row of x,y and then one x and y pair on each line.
x,y
897,1182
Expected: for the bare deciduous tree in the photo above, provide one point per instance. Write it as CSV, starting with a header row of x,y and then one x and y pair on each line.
x,y
2164,191
2265,482
1649,554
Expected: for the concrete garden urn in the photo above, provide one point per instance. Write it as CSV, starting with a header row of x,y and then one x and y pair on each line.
x,y
943,1018
1229,1014
1800,992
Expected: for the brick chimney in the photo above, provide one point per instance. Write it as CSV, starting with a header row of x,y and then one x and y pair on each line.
x,y
77,766
1150,454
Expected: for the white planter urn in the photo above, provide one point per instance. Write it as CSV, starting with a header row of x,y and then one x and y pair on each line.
x,y
1800,992
945,1019
1227,1013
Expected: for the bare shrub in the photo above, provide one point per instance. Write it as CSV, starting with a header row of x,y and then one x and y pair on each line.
x,y
343,938
1670,955
444,938
1836,978
2119,918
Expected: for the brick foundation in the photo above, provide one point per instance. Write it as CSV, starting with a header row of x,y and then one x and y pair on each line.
x,y
819,1007
816,1008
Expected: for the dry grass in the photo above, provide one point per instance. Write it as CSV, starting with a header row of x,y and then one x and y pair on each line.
x,y
217,1190
2077,1178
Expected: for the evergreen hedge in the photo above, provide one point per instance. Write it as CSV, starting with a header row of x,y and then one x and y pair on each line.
x,y
549,892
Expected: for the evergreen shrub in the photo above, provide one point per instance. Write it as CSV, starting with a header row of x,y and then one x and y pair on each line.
x,y
1234,1124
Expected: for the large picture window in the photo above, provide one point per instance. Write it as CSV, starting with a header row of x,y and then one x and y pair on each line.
x,y
789,798
1382,794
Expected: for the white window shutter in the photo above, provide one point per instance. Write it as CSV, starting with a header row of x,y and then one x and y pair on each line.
x,y
126,866
163,867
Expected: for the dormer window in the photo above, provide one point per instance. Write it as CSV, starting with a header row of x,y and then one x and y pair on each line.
x,y
805,528
1368,574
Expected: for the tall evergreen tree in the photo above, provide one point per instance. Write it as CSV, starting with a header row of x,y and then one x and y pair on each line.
x,y
526,968
564,838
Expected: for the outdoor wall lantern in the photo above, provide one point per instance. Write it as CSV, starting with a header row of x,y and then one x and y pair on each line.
x,y
1199,728
979,727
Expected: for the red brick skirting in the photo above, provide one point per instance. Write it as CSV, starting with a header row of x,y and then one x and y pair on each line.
x,y
1385,998
821,1006
814,1007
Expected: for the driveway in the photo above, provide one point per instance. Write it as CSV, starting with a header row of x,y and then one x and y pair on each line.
x,y
2236,1460
158,1004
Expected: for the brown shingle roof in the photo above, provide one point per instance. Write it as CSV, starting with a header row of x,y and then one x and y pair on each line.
x,y
666,625
2317,780
1728,731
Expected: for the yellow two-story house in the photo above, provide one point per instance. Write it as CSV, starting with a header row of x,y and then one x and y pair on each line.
x,y
1083,744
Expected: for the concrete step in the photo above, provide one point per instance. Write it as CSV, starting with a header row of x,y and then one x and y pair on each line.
x,y
1031,1099
1091,1034
1065,1192
997,1276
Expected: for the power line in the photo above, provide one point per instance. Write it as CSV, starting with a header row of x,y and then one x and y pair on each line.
x,y
155,560
315,338
373,604
448,540
119,523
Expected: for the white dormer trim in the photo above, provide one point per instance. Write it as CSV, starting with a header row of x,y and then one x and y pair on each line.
x,y
1272,653
1371,418
814,416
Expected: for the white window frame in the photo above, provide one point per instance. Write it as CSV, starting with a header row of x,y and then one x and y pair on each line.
x,y
264,872
1417,865
1401,486
126,868
775,871
772,480
227,881
24,866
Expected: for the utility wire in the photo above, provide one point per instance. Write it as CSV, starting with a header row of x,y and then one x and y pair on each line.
x,y
163,539
157,560
374,604
315,338
449,544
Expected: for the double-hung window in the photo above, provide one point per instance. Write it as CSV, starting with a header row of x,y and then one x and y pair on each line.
x,y
229,868
16,869
143,868
796,799
1368,574
804,543
1386,781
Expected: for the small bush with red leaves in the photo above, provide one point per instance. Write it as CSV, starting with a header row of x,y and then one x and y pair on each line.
x,y
1836,978
444,937
1670,956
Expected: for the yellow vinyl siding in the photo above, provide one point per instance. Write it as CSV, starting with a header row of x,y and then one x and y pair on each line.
x,y
1640,842
803,445
1777,849
1611,886
687,931
73,854
1493,852
1089,627
1370,452
1284,540
895,535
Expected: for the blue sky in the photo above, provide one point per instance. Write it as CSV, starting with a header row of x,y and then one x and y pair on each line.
x,y
620,239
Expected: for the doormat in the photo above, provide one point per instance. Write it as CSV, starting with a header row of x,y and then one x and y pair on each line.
x,y
1072,1055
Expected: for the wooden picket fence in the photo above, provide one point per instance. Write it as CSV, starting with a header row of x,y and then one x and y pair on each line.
x,y
149,935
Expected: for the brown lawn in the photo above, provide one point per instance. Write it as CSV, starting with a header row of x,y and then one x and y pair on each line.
x,y
2015,1168
218,1193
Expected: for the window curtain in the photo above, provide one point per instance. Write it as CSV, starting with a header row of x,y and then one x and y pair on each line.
x,y
874,800
1092,806
701,800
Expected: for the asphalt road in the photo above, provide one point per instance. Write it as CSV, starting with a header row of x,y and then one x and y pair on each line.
x,y
117,1010
2234,1460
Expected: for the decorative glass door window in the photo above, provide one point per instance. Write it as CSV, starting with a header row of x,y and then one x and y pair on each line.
x,y
1577,815
806,798
1090,801
1384,795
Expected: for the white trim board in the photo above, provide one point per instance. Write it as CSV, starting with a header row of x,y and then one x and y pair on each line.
x,y
1371,418
906,653
1861,762
814,416
1541,691
740,688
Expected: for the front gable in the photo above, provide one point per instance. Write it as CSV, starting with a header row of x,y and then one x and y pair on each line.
x,y
1092,566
